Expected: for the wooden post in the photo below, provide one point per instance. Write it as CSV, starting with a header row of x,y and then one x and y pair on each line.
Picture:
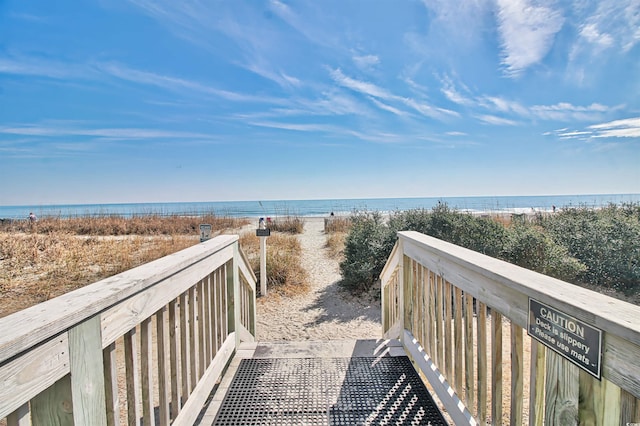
x,y
263,266
87,373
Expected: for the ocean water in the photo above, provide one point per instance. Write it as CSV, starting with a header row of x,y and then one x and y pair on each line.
x,y
271,208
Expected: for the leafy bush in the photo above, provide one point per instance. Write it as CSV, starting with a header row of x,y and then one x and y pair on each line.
x,y
482,234
366,249
581,245
607,242
529,247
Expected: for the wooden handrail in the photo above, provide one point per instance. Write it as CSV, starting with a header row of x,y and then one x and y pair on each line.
x,y
181,317
446,297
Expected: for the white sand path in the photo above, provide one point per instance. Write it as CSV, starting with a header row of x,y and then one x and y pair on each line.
x,y
326,312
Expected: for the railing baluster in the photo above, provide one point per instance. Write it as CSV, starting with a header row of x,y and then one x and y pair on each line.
x,y
517,382
111,384
439,323
459,349
468,353
132,371
481,326
163,382
174,344
185,349
536,384
193,338
496,368
146,367
448,319
201,340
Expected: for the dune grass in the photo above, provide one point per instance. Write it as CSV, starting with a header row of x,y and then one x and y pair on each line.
x,y
285,274
55,255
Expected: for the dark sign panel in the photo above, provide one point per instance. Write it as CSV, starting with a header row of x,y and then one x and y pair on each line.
x,y
205,232
263,232
575,340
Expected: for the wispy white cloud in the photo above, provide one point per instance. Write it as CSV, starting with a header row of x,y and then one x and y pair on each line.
x,y
126,133
527,30
626,128
495,120
295,126
31,66
565,111
366,62
374,91
613,24
386,107
363,87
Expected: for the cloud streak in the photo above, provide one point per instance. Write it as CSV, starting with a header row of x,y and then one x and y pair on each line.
x,y
527,30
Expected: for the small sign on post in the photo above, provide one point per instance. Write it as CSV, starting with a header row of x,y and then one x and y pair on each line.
x,y
205,232
575,340
263,232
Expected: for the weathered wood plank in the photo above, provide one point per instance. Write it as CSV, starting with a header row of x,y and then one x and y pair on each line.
x,y
469,375
111,385
26,376
193,339
185,374
20,417
627,408
536,384
439,341
517,375
481,326
54,406
208,320
448,320
202,342
131,376
87,373
459,348
496,368
174,365
163,382
430,346
612,403
561,403
146,368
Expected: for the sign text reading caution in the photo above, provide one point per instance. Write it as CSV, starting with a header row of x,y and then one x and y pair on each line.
x,y
575,340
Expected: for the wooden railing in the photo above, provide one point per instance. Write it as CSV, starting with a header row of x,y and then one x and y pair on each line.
x,y
466,320
142,347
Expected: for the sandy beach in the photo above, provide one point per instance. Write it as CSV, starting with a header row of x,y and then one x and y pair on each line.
x,y
325,312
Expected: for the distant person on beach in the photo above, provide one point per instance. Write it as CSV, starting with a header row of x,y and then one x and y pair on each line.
x,y
553,208
32,217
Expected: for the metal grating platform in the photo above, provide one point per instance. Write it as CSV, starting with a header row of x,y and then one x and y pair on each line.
x,y
328,391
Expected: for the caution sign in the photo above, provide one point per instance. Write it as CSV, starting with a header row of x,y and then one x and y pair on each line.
x,y
205,232
575,340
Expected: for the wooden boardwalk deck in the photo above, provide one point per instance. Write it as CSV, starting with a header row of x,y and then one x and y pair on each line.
x,y
321,383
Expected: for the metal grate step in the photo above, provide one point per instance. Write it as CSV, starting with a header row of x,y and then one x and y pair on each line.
x,y
328,391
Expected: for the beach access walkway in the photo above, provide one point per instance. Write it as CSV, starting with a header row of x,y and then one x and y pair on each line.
x,y
176,341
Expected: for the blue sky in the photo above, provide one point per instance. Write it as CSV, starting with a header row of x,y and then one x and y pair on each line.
x,y
156,101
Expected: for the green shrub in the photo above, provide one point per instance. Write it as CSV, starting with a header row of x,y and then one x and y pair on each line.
x,y
529,247
606,241
367,247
